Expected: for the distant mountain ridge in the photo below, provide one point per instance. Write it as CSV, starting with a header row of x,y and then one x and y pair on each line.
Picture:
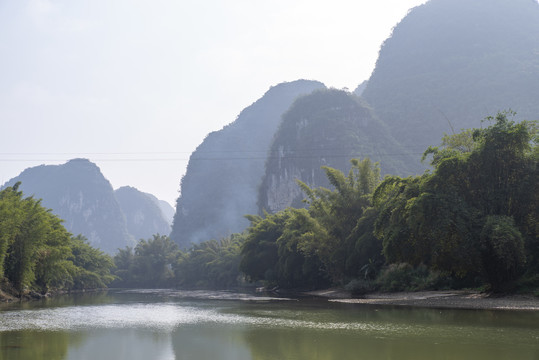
x,y
142,212
221,183
451,63
79,194
447,65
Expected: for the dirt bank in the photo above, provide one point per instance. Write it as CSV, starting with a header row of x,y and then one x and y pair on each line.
x,y
437,299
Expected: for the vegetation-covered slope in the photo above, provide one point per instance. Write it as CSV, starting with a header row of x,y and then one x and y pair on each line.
x,y
325,128
38,254
450,63
471,221
223,175
79,194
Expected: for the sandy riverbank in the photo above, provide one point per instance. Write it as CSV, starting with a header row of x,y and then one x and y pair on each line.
x,y
437,299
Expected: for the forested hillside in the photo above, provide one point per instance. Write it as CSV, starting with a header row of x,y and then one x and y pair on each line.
x,y
38,254
223,175
450,63
325,128
471,222
79,194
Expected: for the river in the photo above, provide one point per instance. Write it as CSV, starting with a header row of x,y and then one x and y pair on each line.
x,y
202,325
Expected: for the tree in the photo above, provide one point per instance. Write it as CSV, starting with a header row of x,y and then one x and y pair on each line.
x,y
479,202
339,211
153,261
149,264
259,252
31,230
210,264
38,253
93,266
52,265
502,249
317,246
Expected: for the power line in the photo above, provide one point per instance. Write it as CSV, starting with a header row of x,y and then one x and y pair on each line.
x,y
223,158
184,152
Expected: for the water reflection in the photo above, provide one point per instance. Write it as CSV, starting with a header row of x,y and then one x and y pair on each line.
x,y
210,342
186,325
129,344
290,344
34,345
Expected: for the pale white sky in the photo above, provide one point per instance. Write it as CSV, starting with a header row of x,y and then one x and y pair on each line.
x,y
135,85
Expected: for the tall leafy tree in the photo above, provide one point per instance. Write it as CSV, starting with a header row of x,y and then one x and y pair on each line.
x,y
210,264
38,253
30,235
339,212
149,264
480,198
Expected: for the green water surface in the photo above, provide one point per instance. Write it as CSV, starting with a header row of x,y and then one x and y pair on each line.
x,y
167,325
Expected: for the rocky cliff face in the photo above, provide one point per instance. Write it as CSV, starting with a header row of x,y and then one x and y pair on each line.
x,y
325,128
142,212
166,209
80,195
451,63
223,174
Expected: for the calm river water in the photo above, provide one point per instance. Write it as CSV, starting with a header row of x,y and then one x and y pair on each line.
x,y
167,325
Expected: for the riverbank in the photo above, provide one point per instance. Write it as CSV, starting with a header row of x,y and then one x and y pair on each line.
x,y
455,299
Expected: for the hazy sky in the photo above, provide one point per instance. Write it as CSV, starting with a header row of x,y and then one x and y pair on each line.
x,y
135,86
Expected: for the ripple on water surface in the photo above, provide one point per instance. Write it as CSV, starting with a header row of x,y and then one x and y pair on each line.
x,y
168,315
155,316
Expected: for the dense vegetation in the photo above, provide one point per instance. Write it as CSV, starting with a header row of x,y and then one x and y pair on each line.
x,y
38,254
472,221
159,263
82,197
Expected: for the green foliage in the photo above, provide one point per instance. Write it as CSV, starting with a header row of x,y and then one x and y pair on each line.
x,y
502,248
157,263
358,287
329,241
259,252
340,212
149,265
473,217
32,229
37,252
452,145
81,196
278,250
477,207
93,266
211,264
404,277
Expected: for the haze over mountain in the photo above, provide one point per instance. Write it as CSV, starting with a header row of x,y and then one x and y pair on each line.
x,y
325,128
142,212
451,63
79,194
223,175
447,65
166,209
